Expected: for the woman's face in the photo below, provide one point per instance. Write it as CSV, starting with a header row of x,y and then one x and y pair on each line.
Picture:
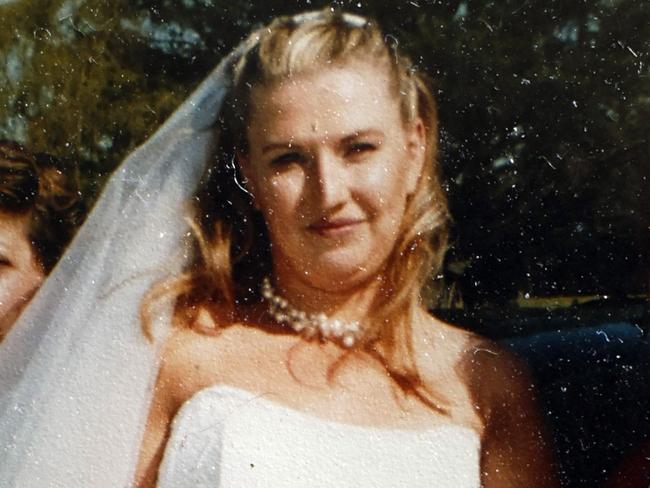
x,y
20,273
331,164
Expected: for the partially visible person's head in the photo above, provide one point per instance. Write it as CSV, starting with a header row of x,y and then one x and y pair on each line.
x,y
39,211
288,52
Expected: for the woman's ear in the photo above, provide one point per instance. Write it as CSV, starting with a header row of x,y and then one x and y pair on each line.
x,y
416,148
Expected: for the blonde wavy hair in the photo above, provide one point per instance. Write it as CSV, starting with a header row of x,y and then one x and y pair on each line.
x,y
232,245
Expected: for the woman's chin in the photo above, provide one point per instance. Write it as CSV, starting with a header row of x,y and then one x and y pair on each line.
x,y
335,271
339,277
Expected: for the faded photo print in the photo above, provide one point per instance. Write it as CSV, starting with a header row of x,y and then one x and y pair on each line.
x,y
324,244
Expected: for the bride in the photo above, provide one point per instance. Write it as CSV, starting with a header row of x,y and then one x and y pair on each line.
x,y
301,353
300,325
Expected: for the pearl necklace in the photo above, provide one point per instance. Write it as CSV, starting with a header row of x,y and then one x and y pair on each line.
x,y
306,324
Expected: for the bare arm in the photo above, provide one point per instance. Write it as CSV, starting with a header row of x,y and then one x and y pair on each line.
x,y
157,431
174,385
181,375
515,449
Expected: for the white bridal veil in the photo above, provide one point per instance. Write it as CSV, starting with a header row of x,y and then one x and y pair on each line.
x,y
76,372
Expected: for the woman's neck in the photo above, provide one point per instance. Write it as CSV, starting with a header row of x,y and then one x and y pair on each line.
x,y
347,303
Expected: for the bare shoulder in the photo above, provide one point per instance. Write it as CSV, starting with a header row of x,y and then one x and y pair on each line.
x,y
191,359
495,376
486,369
443,348
487,382
441,352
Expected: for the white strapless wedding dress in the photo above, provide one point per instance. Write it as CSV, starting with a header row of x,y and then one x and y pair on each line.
x,y
225,437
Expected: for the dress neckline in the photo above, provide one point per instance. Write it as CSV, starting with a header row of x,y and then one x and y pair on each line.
x,y
224,388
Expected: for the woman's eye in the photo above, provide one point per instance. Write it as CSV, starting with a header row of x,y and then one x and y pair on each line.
x,y
360,148
287,158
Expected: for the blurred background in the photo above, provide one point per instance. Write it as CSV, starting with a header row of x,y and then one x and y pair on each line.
x,y
544,115
544,109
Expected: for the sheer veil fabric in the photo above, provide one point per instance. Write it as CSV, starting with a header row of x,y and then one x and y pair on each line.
x,y
76,372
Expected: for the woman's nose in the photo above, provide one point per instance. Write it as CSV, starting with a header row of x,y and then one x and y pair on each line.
x,y
330,181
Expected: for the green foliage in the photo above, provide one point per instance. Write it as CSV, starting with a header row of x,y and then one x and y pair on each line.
x,y
77,88
541,108
543,105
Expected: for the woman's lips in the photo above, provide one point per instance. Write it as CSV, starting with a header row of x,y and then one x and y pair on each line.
x,y
334,227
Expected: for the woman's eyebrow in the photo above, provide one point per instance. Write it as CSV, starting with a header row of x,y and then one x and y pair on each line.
x,y
273,146
280,145
363,133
